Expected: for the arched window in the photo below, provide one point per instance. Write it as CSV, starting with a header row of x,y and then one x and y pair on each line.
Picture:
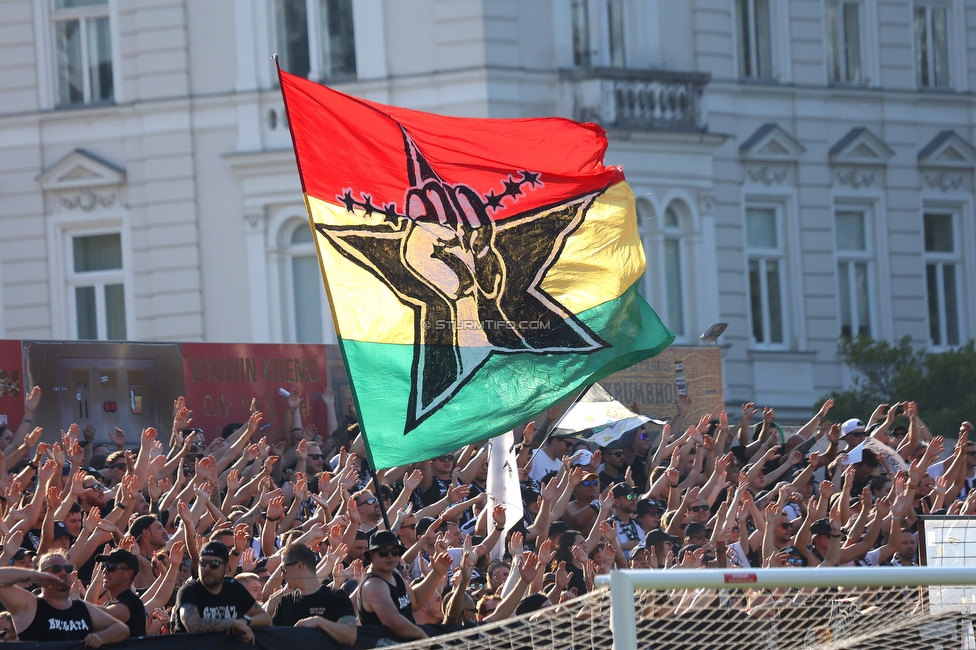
x,y
673,286
307,304
664,283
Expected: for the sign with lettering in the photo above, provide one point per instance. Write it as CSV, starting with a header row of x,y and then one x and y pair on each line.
x,y
655,383
222,378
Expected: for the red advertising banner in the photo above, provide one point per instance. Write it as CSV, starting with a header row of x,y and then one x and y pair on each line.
x,y
220,379
133,385
11,384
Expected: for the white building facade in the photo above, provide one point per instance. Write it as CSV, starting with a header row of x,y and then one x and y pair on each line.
x,y
803,168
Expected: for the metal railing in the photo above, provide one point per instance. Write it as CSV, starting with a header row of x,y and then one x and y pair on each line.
x,y
645,100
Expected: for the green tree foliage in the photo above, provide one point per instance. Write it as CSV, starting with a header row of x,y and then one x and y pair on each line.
x,y
943,384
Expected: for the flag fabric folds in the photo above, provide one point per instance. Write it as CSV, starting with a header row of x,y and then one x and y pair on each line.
x,y
600,419
478,270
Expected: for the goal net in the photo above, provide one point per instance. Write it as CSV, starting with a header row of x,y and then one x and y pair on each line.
x,y
773,609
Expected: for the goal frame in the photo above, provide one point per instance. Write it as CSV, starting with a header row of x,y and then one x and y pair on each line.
x,y
623,582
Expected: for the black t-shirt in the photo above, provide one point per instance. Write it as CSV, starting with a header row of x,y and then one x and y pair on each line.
x,y
232,602
137,612
52,624
331,604
436,491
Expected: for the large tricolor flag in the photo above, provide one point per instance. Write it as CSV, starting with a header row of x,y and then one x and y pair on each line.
x,y
478,270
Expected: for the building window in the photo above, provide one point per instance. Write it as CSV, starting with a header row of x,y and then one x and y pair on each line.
x,y
672,272
610,48
766,275
84,52
581,33
306,304
96,282
755,39
942,278
315,38
853,262
844,42
932,45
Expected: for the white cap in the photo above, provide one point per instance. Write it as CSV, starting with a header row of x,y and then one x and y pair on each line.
x,y
851,426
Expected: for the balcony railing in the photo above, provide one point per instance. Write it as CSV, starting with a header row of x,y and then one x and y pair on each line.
x,y
645,100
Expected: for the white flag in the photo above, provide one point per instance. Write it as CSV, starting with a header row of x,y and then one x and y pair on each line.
x,y
503,486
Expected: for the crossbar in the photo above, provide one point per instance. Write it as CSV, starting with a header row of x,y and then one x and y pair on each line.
x,y
623,582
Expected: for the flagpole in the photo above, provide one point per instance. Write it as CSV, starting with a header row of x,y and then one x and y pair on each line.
x,y
379,497
548,435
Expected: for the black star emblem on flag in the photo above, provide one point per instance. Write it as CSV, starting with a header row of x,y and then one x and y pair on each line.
x,y
474,284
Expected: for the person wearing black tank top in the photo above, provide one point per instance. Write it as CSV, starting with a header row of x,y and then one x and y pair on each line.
x,y
384,598
54,616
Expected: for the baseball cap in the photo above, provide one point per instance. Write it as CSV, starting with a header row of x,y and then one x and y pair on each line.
x,y
646,505
21,554
695,528
851,426
657,536
120,556
141,524
215,549
585,458
820,527
423,524
622,490
60,530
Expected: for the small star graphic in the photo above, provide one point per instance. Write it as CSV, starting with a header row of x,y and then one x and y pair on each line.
x,y
513,188
492,200
531,178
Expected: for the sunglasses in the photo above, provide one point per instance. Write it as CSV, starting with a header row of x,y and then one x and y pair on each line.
x,y
858,434
785,526
108,567
411,526
796,561
628,497
971,453
292,563
614,453
590,483
315,456
395,551
698,508
119,466
643,435
58,568
96,486
367,502
212,564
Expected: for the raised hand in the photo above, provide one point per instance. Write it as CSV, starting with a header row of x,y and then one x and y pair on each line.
x,y
117,437
528,568
749,411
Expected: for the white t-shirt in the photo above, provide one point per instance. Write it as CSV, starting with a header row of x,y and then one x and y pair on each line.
x,y
542,465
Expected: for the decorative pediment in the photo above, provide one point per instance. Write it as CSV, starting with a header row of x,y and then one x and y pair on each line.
x,y
80,170
948,149
770,143
861,147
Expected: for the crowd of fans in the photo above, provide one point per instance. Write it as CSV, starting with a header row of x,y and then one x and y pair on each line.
x,y
103,542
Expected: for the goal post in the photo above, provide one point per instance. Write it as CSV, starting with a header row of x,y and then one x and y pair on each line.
x,y
625,608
